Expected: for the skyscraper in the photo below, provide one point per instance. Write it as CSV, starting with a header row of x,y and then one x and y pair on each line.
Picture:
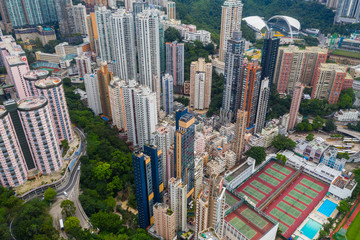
x,y
175,64
83,64
62,12
348,11
93,93
148,192
148,46
178,199
164,221
12,160
268,56
117,101
250,91
295,104
93,33
104,32
5,15
230,21
31,77
264,95
200,84
123,45
184,149
104,78
77,19
240,127
232,77
171,10
40,133
167,96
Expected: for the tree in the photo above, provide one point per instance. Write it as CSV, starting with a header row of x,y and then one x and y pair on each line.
x,y
318,122
311,41
71,223
49,194
67,82
345,101
344,206
330,126
343,155
106,222
65,145
68,208
300,127
172,34
282,142
257,153
310,137
182,100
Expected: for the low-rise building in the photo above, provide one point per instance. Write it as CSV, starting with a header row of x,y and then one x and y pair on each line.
x,y
347,115
342,187
313,150
45,34
235,177
330,159
269,133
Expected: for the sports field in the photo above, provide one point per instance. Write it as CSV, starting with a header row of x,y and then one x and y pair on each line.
x,y
230,199
353,232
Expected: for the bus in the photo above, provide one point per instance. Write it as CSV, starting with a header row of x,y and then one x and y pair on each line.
x,y
61,224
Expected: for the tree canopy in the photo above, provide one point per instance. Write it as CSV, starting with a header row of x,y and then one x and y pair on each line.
x,y
257,153
49,194
282,142
68,208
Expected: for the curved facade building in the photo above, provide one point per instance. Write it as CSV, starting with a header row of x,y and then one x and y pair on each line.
x,y
31,77
13,171
40,132
52,89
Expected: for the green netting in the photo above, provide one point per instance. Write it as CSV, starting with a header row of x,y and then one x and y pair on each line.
x,y
295,203
288,209
300,197
282,217
261,186
312,185
269,179
254,193
281,169
243,228
254,218
306,191
230,200
276,174
283,228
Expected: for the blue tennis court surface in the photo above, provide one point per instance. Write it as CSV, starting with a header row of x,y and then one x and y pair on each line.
x,y
311,228
327,208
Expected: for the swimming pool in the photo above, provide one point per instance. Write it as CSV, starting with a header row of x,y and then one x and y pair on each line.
x,y
327,208
311,228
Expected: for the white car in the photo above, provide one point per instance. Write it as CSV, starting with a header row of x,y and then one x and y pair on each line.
x,y
65,193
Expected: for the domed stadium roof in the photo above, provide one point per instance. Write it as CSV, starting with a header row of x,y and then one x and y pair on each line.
x,y
291,25
256,22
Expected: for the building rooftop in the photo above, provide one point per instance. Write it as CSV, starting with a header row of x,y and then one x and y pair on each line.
x,y
208,234
49,82
342,183
31,103
16,53
238,170
34,75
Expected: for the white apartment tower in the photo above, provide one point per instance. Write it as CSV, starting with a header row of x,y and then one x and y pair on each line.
x,y
78,16
92,92
116,93
262,105
167,97
104,31
178,198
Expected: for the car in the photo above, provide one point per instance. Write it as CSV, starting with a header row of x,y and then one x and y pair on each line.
x,y
78,168
65,193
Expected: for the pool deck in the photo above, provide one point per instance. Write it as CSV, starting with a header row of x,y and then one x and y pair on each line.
x,y
316,216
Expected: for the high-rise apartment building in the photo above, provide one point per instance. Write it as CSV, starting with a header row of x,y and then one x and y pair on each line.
x,y
141,113
104,32
250,91
295,65
90,4
230,21
171,10
348,11
123,44
83,64
117,102
16,64
148,46
77,19
93,93
104,79
328,82
232,78
167,96
333,4
200,84
62,12
51,88
164,221
35,115
269,56
178,200
295,104
5,15
184,149
31,77
175,64
199,175
240,128
264,95
93,33
12,160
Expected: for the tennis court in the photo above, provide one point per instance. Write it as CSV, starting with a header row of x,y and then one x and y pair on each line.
x,y
283,228
243,227
282,217
281,169
306,191
276,174
261,187
230,200
312,185
300,197
295,203
288,209
254,218
254,193
269,179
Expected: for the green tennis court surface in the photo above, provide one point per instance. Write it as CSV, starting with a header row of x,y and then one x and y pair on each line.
x,y
276,174
283,228
288,209
295,203
243,228
254,218
306,191
260,186
254,193
269,179
230,200
312,185
300,197
281,169
282,217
